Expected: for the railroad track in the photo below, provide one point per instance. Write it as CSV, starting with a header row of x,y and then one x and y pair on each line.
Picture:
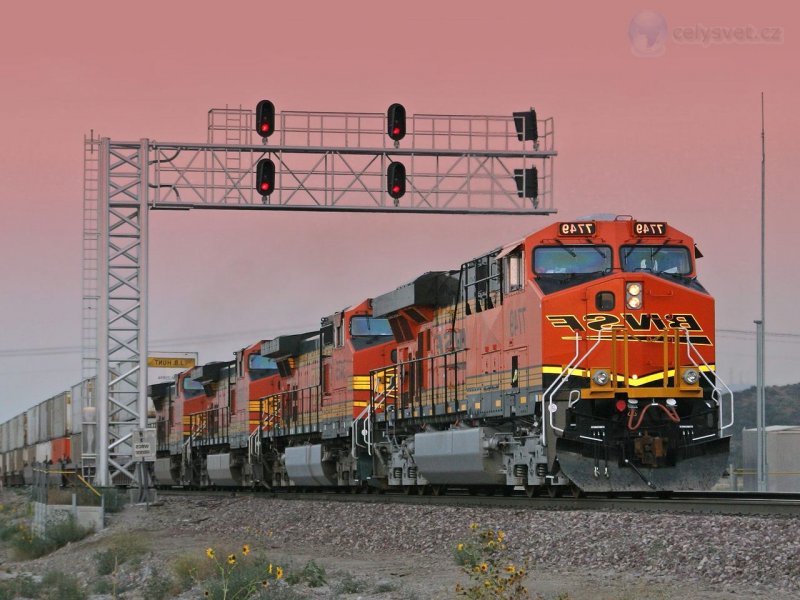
x,y
722,503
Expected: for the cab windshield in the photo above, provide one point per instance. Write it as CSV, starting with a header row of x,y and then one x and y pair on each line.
x,y
192,388
571,259
674,260
363,326
256,362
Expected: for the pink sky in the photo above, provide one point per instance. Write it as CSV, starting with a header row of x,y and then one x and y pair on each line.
x,y
672,138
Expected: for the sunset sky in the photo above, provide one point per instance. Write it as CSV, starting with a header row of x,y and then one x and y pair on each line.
x,y
672,135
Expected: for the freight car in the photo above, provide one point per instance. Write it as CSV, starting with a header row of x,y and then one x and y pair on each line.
x,y
581,357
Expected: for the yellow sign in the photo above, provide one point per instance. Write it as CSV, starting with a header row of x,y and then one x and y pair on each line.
x,y
167,362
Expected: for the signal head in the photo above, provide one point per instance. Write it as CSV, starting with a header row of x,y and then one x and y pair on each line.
x,y
396,180
265,118
265,177
396,122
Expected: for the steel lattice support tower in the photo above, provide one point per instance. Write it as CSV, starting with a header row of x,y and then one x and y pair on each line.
x,y
325,161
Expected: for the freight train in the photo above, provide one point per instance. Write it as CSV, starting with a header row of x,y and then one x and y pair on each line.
x,y
581,357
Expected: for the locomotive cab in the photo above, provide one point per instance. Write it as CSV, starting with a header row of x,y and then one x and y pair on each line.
x,y
630,398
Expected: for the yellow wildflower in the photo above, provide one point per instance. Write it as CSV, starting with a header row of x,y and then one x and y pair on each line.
x,y
490,544
510,569
269,569
484,567
476,568
473,526
210,553
245,549
278,573
500,535
460,547
231,559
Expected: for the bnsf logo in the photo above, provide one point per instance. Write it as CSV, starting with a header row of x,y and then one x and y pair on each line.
x,y
641,323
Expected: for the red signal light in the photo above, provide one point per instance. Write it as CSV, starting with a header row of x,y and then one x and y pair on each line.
x,y
621,404
396,131
265,127
264,186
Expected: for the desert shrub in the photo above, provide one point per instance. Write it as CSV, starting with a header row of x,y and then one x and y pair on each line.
x,y
120,551
64,531
190,569
485,558
311,574
114,500
22,586
349,585
383,587
159,587
59,586
27,545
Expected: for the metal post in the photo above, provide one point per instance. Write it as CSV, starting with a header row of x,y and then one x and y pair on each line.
x,y
101,473
760,413
141,404
761,327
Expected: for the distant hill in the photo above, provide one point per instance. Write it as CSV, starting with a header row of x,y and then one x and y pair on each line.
x,y
782,408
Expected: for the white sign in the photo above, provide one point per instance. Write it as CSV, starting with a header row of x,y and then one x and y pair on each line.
x,y
144,445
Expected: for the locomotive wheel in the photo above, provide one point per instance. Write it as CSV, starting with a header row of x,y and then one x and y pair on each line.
x,y
576,491
423,490
532,490
439,490
408,490
555,491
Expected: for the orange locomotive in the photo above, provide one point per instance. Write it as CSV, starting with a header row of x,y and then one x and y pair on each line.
x,y
581,356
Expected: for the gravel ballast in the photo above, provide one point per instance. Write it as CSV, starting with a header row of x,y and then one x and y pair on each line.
x,y
586,554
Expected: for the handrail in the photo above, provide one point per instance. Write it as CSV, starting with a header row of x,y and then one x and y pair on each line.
x,y
715,393
365,414
562,379
75,473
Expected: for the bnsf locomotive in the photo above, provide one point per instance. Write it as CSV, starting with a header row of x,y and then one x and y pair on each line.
x,y
580,357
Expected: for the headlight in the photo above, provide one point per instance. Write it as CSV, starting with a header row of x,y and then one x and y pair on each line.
x,y
600,377
633,295
690,376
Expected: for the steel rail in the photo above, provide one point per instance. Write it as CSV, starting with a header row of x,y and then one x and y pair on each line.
x,y
720,503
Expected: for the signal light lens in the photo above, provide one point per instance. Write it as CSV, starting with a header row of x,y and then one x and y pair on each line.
x,y
264,186
265,127
620,405
396,131
396,189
